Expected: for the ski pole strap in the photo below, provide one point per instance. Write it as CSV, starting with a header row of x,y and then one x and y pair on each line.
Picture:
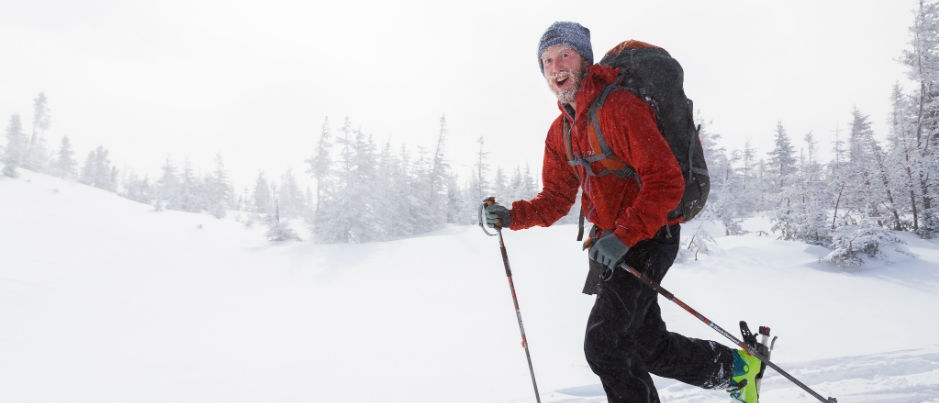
x,y
482,207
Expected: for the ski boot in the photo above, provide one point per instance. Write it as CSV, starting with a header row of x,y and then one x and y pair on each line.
x,y
748,368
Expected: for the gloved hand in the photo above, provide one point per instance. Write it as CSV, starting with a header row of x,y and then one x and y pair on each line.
x,y
608,250
497,216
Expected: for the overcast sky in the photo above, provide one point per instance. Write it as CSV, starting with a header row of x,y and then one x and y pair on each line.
x,y
254,80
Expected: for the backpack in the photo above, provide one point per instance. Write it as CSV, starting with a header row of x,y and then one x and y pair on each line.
x,y
651,74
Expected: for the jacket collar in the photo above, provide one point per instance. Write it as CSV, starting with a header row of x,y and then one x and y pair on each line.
x,y
598,77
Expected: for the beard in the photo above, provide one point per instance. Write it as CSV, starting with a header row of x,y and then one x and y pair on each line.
x,y
568,94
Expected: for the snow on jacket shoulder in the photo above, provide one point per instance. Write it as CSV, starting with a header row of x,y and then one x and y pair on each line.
x,y
632,211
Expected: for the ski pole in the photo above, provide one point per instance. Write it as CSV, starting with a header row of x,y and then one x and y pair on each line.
x,y
749,349
508,274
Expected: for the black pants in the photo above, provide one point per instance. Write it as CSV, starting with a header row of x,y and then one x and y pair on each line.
x,y
626,339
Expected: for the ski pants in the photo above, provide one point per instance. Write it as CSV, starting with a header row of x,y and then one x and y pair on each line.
x,y
626,339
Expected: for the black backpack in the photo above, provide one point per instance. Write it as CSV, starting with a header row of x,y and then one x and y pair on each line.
x,y
654,76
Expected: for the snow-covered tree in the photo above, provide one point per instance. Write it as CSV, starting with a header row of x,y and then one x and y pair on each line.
x,y
438,179
922,60
320,165
138,189
279,230
802,213
98,171
782,161
398,193
262,198
291,199
15,151
850,243
36,156
332,222
64,165
366,208
190,193
167,192
219,193
722,203
481,185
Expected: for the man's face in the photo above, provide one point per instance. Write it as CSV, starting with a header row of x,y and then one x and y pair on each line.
x,y
563,69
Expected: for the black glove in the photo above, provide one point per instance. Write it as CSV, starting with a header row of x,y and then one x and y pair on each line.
x,y
608,250
497,216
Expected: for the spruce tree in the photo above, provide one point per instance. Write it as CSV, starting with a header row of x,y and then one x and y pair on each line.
x,y
15,151
923,63
65,166
36,158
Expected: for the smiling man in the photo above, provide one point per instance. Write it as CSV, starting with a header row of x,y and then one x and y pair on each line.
x,y
626,339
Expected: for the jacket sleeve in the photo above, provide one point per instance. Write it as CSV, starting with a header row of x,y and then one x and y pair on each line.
x,y
662,184
558,191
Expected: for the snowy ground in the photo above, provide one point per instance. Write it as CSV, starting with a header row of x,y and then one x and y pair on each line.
x,y
103,299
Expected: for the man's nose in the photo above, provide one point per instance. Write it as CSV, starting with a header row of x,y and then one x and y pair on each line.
x,y
551,70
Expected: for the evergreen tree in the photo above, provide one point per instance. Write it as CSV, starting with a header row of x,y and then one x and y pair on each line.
x,y
190,192
838,171
480,183
319,165
850,243
750,190
65,166
782,161
332,222
868,190
98,172
291,200
500,187
458,211
723,201
801,214
923,63
16,147
279,230
36,157
167,189
366,214
138,189
219,193
439,179
397,193
262,198
904,157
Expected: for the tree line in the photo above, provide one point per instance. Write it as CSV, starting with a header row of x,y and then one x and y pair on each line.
x,y
362,192
868,189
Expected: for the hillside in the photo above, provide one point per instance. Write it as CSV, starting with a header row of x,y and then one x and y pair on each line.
x,y
103,299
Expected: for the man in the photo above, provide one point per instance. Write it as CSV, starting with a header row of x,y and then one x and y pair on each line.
x,y
625,339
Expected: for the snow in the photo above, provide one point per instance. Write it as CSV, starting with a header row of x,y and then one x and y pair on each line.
x,y
103,299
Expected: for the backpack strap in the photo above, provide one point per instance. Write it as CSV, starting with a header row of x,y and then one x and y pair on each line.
x,y
612,164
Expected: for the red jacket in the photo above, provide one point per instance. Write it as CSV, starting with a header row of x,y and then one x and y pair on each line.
x,y
609,202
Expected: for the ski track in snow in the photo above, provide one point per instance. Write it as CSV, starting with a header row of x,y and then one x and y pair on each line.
x,y
103,299
910,376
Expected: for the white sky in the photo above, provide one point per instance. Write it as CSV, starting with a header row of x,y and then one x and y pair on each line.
x,y
254,80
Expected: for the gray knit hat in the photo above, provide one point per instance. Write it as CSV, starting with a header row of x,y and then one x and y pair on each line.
x,y
566,33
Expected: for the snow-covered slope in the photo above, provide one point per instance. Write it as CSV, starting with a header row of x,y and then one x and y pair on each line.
x,y
103,299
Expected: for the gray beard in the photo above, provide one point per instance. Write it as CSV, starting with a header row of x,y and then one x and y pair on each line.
x,y
565,97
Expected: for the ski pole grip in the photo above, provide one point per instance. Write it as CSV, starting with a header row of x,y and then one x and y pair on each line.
x,y
486,203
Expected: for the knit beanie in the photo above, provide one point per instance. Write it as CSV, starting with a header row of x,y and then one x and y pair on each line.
x,y
566,33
